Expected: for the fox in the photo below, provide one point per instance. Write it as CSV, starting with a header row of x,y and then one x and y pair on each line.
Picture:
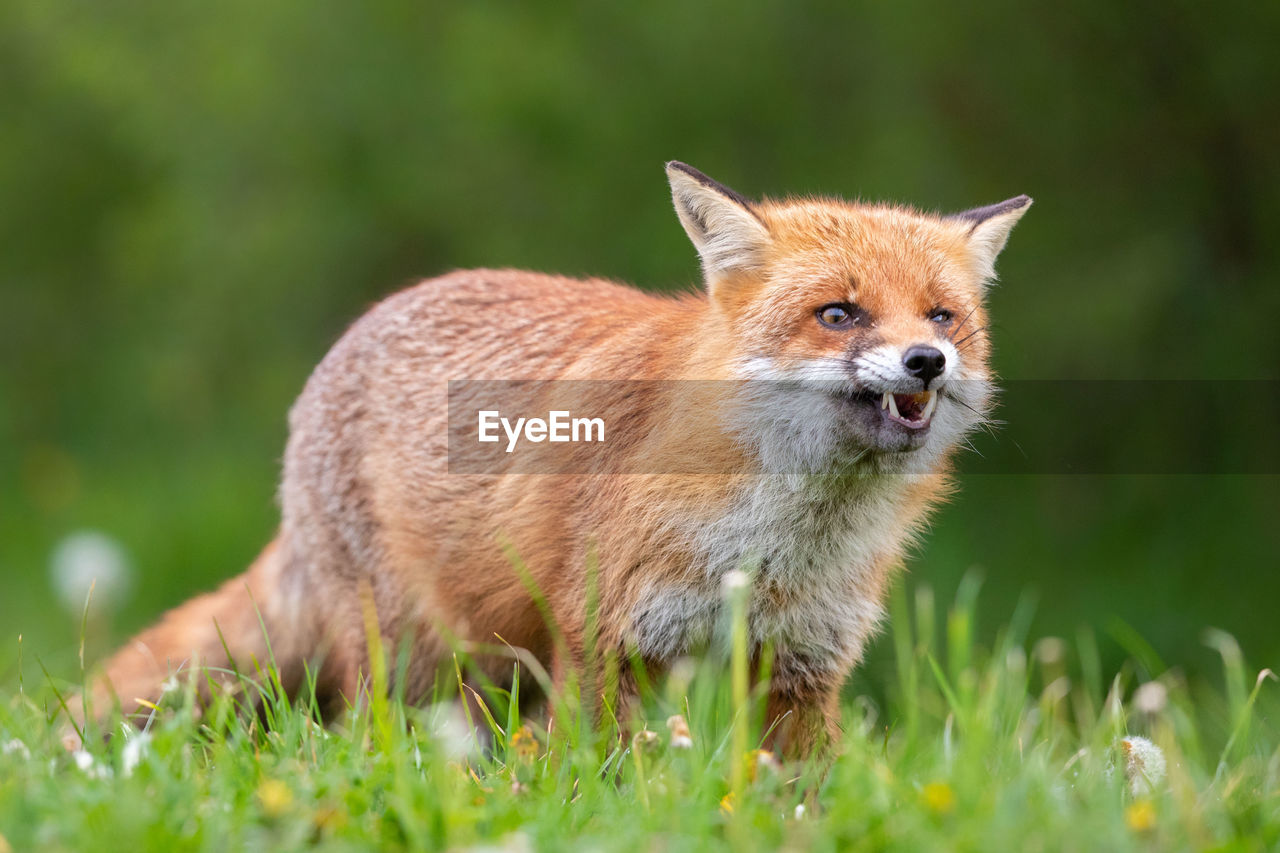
x,y
849,342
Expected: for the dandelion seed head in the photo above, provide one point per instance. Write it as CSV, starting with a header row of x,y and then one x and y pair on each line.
x,y
90,559
1051,651
1144,764
1151,698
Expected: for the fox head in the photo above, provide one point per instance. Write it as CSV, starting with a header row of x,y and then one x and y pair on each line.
x,y
866,320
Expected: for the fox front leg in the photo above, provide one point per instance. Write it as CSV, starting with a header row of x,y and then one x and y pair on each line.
x,y
802,725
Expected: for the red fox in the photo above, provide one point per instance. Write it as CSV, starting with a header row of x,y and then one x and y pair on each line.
x,y
858,334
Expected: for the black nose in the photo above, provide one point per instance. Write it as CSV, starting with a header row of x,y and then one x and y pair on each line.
x,y
925,363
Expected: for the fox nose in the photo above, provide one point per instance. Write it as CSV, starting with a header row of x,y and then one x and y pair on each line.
x,y
924,363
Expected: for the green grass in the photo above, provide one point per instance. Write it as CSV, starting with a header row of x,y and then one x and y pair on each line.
x,y
1003,748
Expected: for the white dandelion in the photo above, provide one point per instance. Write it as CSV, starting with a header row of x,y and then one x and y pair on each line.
x,y
90,559
1144,764
1151,698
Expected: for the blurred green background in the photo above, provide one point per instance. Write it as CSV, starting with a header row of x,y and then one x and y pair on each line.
x,y
195,199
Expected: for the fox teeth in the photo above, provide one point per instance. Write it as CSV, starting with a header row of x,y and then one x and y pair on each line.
x,y
890,404
929,406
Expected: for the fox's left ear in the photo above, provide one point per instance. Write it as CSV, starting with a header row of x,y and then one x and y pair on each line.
x,y
989,229
724,227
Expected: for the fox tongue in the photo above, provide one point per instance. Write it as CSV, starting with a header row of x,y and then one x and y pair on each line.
x,y
911,406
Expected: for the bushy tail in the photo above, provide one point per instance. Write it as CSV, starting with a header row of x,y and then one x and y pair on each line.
x,y
219,631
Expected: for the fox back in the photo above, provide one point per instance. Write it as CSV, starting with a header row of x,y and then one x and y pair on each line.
x,y
821,384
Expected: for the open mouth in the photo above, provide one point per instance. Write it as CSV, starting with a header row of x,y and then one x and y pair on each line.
x,y
909,413
911,410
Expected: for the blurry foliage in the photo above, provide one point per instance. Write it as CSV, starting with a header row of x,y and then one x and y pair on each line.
x,y
197,198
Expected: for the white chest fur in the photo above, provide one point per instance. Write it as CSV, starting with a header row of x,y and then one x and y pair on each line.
x,y
811,549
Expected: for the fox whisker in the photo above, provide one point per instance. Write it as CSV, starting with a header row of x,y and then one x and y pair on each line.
x,y
952,336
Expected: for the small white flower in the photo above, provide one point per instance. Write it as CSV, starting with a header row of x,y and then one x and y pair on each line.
x,y
18,748
800,811
1050,651
134,751
89,766
735,580
1151,698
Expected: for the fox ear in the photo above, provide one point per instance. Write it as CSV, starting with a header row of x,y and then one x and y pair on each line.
x,y
989,229
724,227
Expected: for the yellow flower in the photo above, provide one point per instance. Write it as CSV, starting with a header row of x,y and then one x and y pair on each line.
x,y
524,744
726,803
939,798
275,797
329,819
1140,816
759,760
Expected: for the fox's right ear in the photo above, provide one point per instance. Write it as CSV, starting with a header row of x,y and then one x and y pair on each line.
x,y
725,229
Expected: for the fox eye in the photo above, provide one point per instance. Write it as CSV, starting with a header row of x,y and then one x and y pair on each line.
x,y
839,315
940,315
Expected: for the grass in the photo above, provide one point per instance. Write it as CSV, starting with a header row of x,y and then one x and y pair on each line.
x,y
977,749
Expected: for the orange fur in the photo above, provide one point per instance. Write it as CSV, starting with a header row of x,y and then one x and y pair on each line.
x,y
369,503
